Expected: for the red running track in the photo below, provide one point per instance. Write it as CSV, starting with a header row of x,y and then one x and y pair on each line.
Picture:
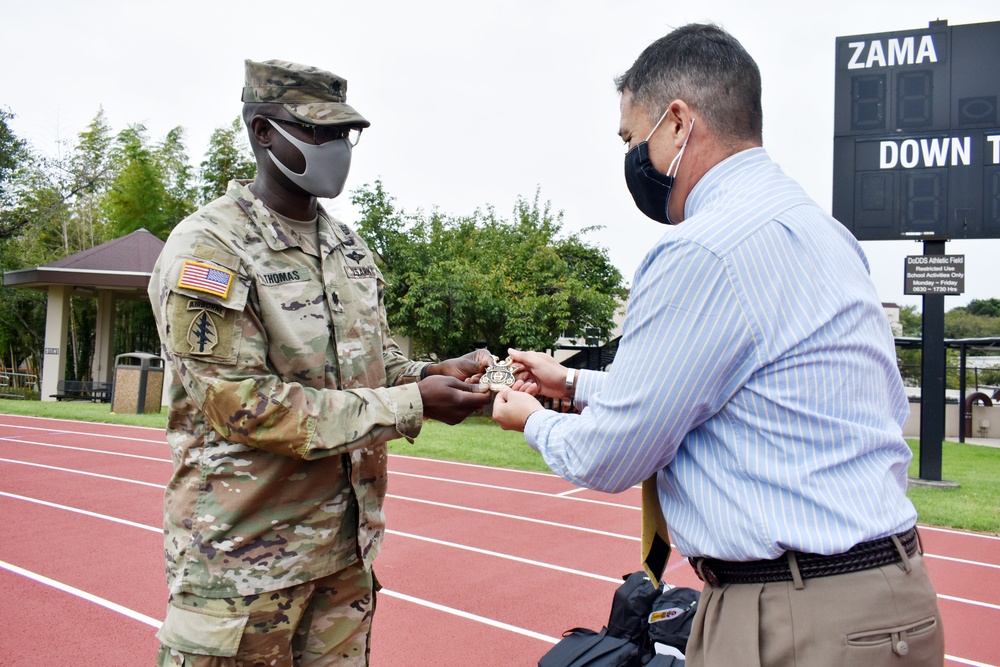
x,y
480,565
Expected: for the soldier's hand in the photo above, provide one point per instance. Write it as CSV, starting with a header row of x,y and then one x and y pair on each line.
x,y
469,367
450,400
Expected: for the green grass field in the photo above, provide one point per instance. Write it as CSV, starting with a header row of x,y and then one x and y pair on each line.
x,y
973,505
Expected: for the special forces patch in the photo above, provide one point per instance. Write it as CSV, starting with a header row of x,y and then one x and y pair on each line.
x,y
201,329
203,334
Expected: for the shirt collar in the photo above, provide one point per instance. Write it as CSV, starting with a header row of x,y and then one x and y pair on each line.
x,y
274,232
713,182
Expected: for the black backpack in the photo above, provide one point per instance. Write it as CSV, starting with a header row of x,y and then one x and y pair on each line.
x,y
641,616
581,647
671,617
631,607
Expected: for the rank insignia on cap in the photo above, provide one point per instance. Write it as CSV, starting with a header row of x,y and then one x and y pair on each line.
x,y
205,278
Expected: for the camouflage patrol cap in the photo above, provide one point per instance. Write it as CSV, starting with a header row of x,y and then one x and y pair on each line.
x,y
310,94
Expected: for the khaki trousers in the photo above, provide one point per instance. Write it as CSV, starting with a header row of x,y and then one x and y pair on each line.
x,y
883,617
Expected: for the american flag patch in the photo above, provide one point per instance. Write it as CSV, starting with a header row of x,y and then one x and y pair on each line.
x,y
205,278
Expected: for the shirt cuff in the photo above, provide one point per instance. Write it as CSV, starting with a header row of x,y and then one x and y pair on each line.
x,y
536,427
408,409
415,372
588,383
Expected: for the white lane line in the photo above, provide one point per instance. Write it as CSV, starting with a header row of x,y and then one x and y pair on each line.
x,y
82,472
952,531
391,456
85,449
75,421
418,537
964,661
89,597
457,507
161,441
550,475
402,596
563,494
977,603
154,623
78,510
962,560
497,554
474,465
467,615
515,517
412,536
513,490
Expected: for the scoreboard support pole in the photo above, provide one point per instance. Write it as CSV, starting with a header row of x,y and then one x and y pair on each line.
x,y
932,381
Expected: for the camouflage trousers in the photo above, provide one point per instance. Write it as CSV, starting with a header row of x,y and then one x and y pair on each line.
x,y
322,622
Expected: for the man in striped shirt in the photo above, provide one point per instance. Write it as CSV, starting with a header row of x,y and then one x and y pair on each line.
x,y
756,379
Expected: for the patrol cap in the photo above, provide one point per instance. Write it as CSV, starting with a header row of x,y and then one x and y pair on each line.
x,y
310,94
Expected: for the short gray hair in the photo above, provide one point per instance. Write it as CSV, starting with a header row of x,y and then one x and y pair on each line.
x,y
706,67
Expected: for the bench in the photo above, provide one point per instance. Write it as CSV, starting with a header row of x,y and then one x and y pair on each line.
x,y
18,385
83,390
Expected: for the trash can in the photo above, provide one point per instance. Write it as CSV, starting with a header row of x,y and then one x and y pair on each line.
x,y
138,385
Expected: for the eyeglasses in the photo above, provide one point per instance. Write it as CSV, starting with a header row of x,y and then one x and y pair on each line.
x,y
322,134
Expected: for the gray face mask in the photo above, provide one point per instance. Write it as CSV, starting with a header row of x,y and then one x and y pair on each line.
x,y
327,165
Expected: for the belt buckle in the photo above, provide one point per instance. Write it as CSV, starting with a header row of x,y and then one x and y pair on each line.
x,y
706,574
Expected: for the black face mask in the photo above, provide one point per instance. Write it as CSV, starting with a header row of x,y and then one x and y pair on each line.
x,y
650,189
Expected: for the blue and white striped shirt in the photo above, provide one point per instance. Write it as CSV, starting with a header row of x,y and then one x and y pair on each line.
x,y
756,372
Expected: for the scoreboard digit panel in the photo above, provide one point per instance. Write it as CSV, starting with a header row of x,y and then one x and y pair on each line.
x,y
917,134
889,80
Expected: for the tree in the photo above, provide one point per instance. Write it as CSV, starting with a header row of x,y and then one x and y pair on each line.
x,y
455,282
22,314
971,321
26,195
90,169
382,226
962,323
51,207
909,360
12,149
177,174
151,186
979,319
228,158
13,154
984,307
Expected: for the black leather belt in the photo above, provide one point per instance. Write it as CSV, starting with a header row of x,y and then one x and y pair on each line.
x,y
864,556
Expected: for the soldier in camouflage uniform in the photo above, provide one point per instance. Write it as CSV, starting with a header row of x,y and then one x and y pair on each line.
x,y
286,387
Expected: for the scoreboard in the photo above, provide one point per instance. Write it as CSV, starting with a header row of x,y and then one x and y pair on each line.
x,y
917,134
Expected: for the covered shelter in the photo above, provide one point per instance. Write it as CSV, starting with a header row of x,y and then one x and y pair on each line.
x,y
964,347
120,268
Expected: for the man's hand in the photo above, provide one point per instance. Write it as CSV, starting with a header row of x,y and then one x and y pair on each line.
x,y
469,367
542,370
450,400
513,406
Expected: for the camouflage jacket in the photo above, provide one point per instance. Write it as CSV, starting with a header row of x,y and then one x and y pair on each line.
x,y
286,386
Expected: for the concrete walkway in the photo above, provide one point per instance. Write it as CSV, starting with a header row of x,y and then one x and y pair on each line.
x,y
986,442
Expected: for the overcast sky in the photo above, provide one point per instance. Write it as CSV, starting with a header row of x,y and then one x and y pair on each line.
x,y
471,103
